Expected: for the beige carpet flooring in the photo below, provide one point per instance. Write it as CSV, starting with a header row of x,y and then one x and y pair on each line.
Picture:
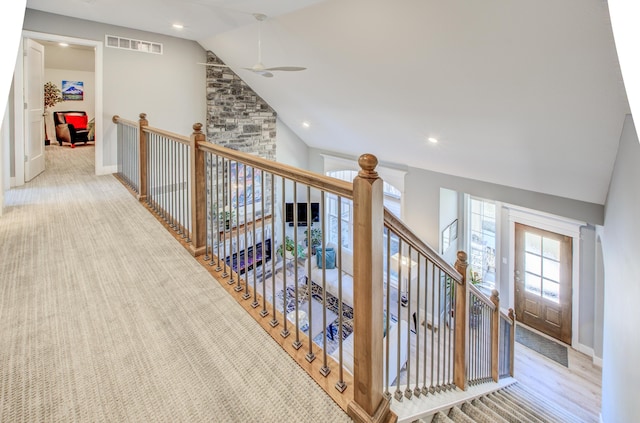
x,y
104,317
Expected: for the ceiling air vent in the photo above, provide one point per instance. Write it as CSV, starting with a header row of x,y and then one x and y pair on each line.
x,y
131,44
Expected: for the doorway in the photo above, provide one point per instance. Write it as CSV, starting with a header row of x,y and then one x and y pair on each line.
x,y
543,281
20,117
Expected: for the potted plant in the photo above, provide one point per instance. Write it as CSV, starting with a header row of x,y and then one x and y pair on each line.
x,y
52,96
290,246
316,239
228,218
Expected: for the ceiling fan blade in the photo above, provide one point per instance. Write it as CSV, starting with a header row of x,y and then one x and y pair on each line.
x,y
259,67
286,68
215,65
260,71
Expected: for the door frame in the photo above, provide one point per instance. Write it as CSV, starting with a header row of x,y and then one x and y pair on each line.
x,y
560,225
19,116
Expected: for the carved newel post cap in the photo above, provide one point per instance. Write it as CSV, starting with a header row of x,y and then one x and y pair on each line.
x,y
368,163
197,127
115,118
495,293
462,256
143,116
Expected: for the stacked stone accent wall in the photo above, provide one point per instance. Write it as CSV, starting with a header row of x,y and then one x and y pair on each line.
x,y
236,116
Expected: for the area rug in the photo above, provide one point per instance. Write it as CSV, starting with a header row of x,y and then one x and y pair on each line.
x,y
333,305
545,346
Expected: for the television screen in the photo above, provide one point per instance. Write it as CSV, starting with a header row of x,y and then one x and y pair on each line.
x,y
302,213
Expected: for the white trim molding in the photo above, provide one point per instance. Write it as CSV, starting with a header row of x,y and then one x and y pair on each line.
x,y
100,169
388,174
552,223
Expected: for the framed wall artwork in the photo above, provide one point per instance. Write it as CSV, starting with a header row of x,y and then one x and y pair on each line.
x,y
72,90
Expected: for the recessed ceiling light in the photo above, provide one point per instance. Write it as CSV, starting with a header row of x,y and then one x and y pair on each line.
x,y
63,44
306,124
432,140
178,26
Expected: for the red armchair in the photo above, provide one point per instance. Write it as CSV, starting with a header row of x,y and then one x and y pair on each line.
x,y
71,127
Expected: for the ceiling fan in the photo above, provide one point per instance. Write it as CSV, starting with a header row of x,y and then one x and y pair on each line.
x,y
259,67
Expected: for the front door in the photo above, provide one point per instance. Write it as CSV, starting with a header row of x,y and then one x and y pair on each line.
x,y
543,280
34,113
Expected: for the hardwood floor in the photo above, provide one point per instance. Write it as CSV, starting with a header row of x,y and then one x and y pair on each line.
x,y
578,388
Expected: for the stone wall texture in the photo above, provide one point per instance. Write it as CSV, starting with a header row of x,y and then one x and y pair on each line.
x,y
236,116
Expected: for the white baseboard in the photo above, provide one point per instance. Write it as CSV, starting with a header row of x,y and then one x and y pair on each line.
x,y
597,361
107,170
584,349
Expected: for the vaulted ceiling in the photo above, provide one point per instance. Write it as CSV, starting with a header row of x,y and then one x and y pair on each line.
x,y
526,94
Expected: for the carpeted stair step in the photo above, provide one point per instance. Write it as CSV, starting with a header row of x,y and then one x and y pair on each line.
x,y
489,412
507,411
458,416
510,404
479,415
440,417
513,404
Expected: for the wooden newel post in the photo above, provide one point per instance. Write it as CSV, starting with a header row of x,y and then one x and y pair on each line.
x,y
495,336
460,334
198,193
369,404
143,122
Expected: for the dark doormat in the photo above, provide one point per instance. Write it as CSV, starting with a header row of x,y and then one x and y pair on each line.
x,y
542,345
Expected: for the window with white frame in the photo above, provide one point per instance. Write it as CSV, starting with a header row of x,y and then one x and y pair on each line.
x,y
392,201
345,215
482,240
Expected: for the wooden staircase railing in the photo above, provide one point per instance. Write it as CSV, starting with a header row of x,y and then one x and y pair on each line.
x,y
189,184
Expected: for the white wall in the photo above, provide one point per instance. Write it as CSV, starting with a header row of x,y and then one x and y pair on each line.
x,y
10,20
620,370
586,318
170,87
448,213
290,149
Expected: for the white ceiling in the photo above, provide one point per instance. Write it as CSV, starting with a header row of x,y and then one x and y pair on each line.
x,y
526,94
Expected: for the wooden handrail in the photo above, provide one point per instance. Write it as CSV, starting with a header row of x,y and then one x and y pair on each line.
x,y
312,179
505,314
396,225
370,218
118,119
175,137
482,296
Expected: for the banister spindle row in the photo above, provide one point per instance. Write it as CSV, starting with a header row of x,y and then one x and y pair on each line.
x,y
438,331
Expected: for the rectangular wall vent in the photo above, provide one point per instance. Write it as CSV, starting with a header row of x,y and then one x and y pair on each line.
x,y
131,44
